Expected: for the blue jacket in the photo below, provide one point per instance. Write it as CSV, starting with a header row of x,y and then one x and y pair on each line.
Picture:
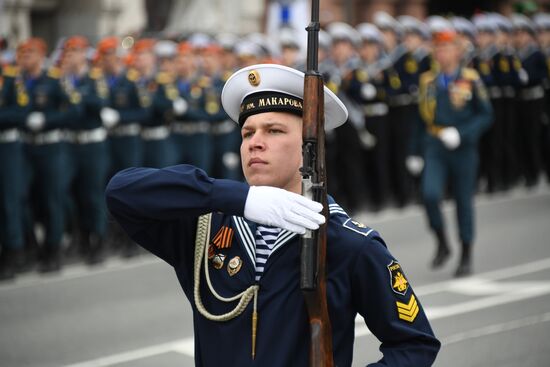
x,y
158,208
470,112
124,96
93,91
23,95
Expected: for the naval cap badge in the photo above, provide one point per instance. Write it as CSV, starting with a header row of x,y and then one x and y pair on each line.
x,y
254,78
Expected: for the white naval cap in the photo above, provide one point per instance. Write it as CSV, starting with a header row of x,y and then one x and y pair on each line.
x,y
522,22
271,88
411,24
288,37
542,21
342,31
267,46
464,26
245,48
166,48
484,23
369,33
227,40
325,40
384,20
200,40
502,23
437,23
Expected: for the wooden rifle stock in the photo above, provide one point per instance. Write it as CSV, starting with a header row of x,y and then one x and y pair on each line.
x,y
314,186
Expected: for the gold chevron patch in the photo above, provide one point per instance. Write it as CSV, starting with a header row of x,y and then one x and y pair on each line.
x,y
223,238
408,311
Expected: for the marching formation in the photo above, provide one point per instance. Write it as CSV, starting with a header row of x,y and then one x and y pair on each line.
x,y
68,122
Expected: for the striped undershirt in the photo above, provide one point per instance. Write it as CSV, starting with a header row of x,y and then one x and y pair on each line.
x,y
265,241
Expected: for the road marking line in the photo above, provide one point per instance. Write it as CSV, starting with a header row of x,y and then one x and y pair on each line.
x,y
495,329
388,215
78,271
481,284
181,345
417,210
498,274
518,291
535,290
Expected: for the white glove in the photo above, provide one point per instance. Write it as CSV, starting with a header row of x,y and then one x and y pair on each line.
x,y
283,209
109,116
36,121
414,164
367,139
368,91
450,137
179,106
523,76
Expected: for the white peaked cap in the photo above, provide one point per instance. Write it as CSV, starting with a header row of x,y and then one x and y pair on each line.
x,y
343,31
369,32
265,78
437,23
166,48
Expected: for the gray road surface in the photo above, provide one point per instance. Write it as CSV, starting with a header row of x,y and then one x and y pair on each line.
x,y
135,314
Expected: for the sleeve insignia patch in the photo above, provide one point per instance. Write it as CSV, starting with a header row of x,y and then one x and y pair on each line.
x,y
411,66
75,98
362,76
398,281
132,75
357,227
470,74
395,82
223,238
54,72
504,65
408,311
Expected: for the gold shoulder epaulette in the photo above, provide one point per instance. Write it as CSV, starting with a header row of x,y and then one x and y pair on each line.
x,y
361,75
204,82
163,78
427,77
226,75
10,71
470,74
96,73
54,72
132,75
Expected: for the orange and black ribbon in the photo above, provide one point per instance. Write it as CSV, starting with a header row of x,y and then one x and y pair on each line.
x,y
223,238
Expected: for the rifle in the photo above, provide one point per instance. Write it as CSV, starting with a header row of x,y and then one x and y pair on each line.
x,y
314,186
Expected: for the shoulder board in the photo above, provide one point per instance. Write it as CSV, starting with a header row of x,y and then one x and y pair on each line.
x,y
204,82
132,75
332,86
427,77
54,72
163,78
10,71
96,73
335,209
362,75
226,75
357,227
470,74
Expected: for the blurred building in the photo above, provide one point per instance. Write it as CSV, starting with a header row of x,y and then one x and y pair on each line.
x,y
54,19
213,16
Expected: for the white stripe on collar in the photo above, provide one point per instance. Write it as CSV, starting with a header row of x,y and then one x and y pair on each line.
x,y
247,237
